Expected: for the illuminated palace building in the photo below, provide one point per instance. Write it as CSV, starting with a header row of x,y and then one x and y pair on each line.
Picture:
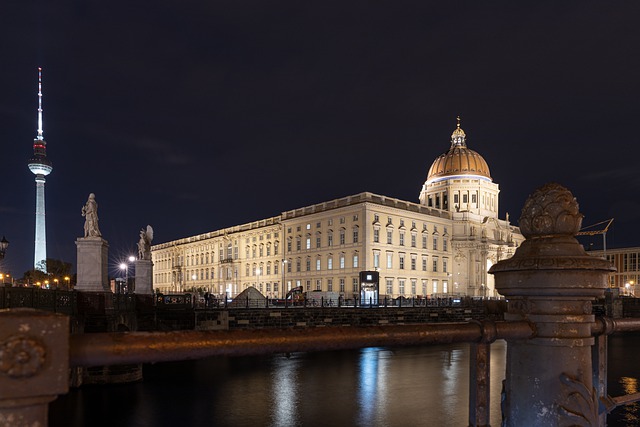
x,y
442,246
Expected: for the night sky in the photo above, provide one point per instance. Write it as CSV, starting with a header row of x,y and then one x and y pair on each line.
x,y
194,116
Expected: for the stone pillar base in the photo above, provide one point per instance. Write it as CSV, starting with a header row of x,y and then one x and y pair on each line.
x,y
144,276
92,265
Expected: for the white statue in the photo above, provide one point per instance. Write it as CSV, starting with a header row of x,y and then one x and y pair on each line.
x,y
144,244
90,214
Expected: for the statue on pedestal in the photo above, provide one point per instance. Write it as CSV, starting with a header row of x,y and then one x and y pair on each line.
x,y
144,244
90,213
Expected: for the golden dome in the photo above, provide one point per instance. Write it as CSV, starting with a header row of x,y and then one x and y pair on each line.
x,y
459,160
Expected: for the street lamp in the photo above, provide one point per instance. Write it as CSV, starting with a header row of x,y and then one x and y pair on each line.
x,y
67,279
125,267
258,275
4,244
56,282
284,267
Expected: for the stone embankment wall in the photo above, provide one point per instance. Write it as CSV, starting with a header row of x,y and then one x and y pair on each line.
x,y
258,318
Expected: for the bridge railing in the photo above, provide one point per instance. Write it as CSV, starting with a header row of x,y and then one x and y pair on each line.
x,y
36,352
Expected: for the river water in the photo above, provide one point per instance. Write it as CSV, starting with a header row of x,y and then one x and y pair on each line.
x,y
395,387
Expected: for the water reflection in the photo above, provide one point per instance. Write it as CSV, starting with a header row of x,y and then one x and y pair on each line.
x,y
414,386
630,412
285,391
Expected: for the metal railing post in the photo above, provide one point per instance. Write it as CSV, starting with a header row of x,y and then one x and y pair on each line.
x,y
34,364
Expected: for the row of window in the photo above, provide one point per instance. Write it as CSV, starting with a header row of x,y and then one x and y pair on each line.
x,y
413,262
413,242
410,286
316,240
342,220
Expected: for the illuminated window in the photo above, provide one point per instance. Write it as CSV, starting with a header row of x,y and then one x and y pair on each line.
x,y
355,260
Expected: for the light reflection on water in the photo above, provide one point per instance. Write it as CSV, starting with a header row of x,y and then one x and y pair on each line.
x,y
413,386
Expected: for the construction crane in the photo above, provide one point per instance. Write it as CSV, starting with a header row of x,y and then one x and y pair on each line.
x,y
586,231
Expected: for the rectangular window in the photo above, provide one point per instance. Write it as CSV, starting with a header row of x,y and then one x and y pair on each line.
x,y
401,257
342,285
424,287
298,243
354,283
330,239
444,244
401,286
298,264
389,260
342,238
308,264
444,265
424,263
389,237
413,262
402,238
318,241
445,286
318,264
308,285
413,287
341,260
289,266
376,235
330,285
413,240
424,241
376,218
376,260
435,243
330,263
389,286
355,235
355,261
288,247
308,242
318,284
435,287
435,263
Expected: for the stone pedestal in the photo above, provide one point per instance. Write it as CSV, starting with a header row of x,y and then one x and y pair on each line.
x,y
144,276
92,265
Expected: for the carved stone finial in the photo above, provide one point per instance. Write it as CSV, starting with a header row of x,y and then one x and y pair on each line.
x,y
550,211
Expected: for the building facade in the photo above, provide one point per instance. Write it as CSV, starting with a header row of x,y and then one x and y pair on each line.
x,y
625,260
441,246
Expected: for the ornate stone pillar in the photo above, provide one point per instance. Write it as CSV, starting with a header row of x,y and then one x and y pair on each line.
x,y
34,364
551,281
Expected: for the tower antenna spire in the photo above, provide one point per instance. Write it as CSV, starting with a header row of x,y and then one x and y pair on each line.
x,y
40,131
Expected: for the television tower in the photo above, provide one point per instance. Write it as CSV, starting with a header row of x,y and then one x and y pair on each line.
x,y
40,166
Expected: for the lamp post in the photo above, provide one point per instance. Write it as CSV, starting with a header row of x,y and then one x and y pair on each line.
x,y
4,244
125,267
67,279
284,267
56,282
